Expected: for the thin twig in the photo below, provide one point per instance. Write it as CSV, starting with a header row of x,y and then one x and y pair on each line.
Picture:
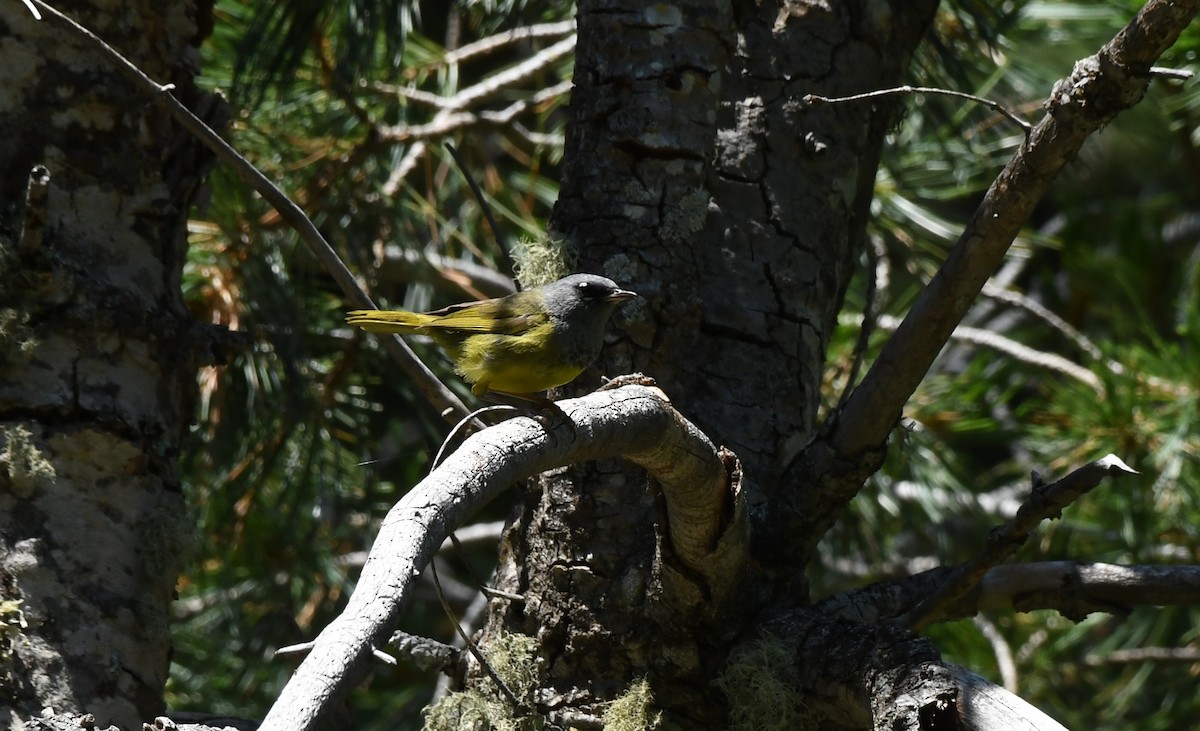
x,y
304,647
414,154
493,42
995,106
497,234
1046,501
295,649
494,593
437,584
471,419
451,117
503,80
408,92
538,139
1013,349
471,646
1043,313
1169,73
438,394
1001,650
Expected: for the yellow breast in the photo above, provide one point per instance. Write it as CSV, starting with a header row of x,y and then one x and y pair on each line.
x,y
521,364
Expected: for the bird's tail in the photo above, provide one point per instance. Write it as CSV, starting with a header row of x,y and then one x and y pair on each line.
x,y
388,321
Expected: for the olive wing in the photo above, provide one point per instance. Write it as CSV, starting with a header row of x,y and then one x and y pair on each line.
x,y
501,316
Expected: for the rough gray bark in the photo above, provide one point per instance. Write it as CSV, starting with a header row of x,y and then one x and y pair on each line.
x,y
97,367
695,175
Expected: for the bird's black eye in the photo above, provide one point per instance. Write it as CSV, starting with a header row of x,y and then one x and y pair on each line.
x,y
591,290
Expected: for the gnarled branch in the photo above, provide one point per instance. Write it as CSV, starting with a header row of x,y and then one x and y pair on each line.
x,y
633,422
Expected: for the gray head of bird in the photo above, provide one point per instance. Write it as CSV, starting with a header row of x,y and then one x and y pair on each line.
x,y
581,305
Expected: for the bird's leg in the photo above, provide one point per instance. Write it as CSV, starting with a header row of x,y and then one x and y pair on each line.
x,y
542,405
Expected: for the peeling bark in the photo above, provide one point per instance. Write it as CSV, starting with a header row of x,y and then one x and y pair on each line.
x,y
97,374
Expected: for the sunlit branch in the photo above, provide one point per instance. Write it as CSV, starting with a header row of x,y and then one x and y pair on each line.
x,y
504,38
1017,351
1046,501
911,90
633,422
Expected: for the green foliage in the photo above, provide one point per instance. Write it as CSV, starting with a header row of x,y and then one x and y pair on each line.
x,y
276,466
1112,255
369,37
305,439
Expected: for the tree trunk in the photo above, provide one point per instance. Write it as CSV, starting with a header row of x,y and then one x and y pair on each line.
x,y
746,210
98,362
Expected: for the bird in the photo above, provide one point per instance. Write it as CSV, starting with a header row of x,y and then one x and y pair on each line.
x,y
520,344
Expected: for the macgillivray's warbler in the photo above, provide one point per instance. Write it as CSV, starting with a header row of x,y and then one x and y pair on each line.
x,y
519,344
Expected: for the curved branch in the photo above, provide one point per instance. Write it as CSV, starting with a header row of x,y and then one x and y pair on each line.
x,y
633,422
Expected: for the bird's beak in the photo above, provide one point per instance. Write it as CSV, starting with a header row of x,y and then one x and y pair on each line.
x,y
621,295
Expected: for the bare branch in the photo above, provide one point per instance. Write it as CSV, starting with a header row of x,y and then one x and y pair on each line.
x,y
1144,654
425,653
499,40
995,106
1168,73
441,397
452,115
1015,350
509,77
406,165
1047,501
1043,313
984,706
889,678
399,264
634,422
501,81
1000,649
1077,589
1098,89
1071,588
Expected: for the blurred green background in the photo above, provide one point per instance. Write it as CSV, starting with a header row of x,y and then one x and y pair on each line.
x,y
303,443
